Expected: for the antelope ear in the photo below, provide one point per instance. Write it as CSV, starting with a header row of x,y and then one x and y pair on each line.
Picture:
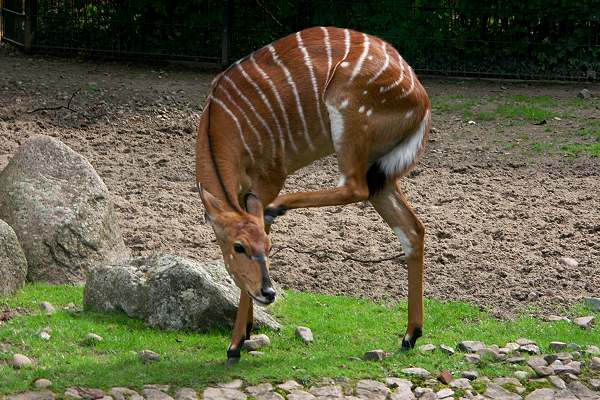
x,y
254,206
212,205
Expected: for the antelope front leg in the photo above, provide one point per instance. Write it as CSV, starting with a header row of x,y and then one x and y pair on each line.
x,y
239,329
395,210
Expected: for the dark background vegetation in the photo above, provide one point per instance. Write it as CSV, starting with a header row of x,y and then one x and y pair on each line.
x,y
513,38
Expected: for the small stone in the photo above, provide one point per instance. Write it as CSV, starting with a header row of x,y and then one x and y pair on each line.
x,y
558,346
251,345
329,391
460,383
582,392
420,391
564,356
470,346
472,358
90,393
595,363
223,394
490,353
445,393
494,391
516,360
556,318
72,393
420,372
259,389
374,355
557,382
427,347
289,386
186,394
584,322
148,356
470,375
541,394
262,339
569,377
431,382
234,384
305,334
595,384
593,303
122,393
511,346
446,349
20,361
402,393
41,395
550,358
269,396
445,377
584,94
573,347
372,390
525,341
521,375
592,350
568,262
530,349
300,395
155,394
398,382
44,335
574,367
541,371
47,308
536,362
255,353
92,338
42,383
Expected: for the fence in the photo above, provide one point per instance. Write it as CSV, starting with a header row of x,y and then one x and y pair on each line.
x,y
502,38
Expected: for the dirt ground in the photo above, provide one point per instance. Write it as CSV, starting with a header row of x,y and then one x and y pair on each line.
x,y
497,220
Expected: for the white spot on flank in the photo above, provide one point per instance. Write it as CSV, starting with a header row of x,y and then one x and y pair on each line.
x,y
361,109
313,79
369,112
361,59
344,104
406,246
370,58
337,125
404,154
365,92
292,85
344,64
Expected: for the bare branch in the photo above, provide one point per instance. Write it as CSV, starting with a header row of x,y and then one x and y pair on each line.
x,y
323,254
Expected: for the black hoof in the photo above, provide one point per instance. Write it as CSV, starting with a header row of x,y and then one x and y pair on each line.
x,y
273,212
248,330
234,353
409,343
233,361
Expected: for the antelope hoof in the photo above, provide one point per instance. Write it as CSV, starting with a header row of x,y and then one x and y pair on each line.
x,y
273,212
233,361
409,340
233,355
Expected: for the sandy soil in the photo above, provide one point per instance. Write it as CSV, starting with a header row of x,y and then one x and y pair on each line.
x,y
497,220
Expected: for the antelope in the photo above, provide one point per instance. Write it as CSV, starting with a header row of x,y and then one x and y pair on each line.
x,y
319,91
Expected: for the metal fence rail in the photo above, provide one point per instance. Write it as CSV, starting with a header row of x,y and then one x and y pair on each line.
x,y
497,38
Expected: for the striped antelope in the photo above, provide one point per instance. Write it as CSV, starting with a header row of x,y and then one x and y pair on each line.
x,y
305,96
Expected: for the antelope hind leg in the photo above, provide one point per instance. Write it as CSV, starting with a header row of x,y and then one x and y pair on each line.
x,y
397,213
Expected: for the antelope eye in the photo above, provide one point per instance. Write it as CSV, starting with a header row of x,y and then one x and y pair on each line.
x,y
239,248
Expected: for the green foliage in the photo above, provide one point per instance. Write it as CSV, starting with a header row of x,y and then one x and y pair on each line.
x,y
515,38
343,327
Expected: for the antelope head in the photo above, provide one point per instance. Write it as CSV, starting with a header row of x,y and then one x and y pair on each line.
x,y
244,244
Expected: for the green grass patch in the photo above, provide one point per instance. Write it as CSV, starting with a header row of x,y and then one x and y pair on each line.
x,y
530,113
592,149
344,328
453,103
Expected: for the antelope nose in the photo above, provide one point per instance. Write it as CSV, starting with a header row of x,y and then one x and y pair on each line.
x,y
268,293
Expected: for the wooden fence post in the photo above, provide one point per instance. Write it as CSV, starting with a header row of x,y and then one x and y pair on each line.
x,y
30,24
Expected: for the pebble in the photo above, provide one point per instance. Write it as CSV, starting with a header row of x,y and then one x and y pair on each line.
x,y
470,375
122,393
374,355
223,394
521,375
372,390
427,347
42,395
47,308
329,391
446,349
584,94
556,318
44,335
460,383
494,391
148,356
472,358
558,346
595,384
186,394
445,377
42,383
470,346
300,395
259,389
516,360
420,391
398,382
584,322
20,361
530,349
93,338
595,363
445,393
234,384
592,350
568,262
269,396
420,372
525,341
511,346
155,394
72,393
550,358
262,339
251,345
305,334
557,382
289,386
255,353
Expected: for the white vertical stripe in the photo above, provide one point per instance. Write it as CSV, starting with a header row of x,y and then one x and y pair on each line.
x,y
268,104
292,84
385,65
237,123
327,48
313,79
361,59
258,116
241,111
266,77
347,43
398,81
412,83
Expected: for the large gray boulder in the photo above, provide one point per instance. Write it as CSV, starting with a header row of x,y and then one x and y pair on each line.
x,y
60,210
13,265
169,292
